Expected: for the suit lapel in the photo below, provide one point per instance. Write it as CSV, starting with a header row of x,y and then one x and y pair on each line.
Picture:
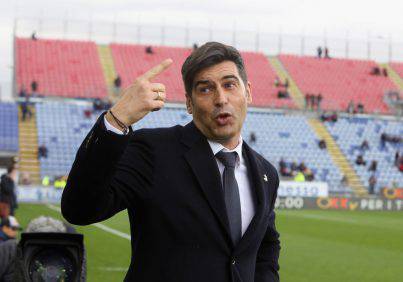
x,y
204,166
255,174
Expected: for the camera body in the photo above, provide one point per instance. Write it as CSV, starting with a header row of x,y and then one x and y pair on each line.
x,y
50,257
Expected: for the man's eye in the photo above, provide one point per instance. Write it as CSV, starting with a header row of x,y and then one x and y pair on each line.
x,y
229,85
204,89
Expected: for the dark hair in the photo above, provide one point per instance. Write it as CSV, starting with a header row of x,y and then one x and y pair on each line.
x,y
10,169
207,55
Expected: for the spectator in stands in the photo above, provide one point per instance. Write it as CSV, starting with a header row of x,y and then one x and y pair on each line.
x,y
312,102
299,177
42,151
327,53
350,107
283,94
364,145
195,46
97,105
319,52
294,168
322,144
308,173
383,140
149,50
360,160
372,183
302,166
373,166
319,99
390,138
277,81
117,83
34,86
8,197
360,108
331,117
252,138
307,101
284,170
26,108
375,71
9,227
87,113
385,72
344,181
33,36
23,92
25,178
286,83
400,166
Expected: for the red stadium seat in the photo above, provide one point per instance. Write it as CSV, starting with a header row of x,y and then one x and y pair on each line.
x,y
132,61
62,68
339,81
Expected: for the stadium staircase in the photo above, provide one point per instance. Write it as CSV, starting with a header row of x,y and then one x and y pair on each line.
x,y
338,158
108,67
294,91
28,144
393,75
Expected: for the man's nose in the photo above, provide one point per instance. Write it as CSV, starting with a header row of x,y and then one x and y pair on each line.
x,y
221,97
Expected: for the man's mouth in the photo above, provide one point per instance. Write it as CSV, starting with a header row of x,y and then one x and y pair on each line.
x,y
223,118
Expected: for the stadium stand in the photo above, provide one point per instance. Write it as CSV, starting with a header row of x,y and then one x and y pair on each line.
x,y
62,68
339,81
284,136
62,136
349,133
8,127
132,61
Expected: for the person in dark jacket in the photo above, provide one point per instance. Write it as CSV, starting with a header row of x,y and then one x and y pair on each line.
x,y
200,200
7,189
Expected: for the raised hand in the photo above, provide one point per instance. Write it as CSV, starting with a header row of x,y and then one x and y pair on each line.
x,y
140,98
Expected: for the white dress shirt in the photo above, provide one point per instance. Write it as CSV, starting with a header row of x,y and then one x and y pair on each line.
x,y
241,176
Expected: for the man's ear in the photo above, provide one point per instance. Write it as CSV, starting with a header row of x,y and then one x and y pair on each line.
x,y
248,92
189,107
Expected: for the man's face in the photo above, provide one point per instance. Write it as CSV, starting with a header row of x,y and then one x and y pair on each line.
x,y
219,103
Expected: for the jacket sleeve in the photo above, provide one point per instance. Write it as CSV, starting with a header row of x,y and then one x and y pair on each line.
x,y
267,266
110,173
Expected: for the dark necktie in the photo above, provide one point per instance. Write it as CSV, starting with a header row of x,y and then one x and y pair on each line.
x,y
231,194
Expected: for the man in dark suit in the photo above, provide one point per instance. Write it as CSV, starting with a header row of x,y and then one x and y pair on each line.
x,y
200,200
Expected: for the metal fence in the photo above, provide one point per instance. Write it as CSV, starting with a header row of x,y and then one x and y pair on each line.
x,y
382,49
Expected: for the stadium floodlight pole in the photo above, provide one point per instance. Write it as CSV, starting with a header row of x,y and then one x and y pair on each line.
x,y
234,34
114,31
280,41
163,31
187,33
347,44
65,24
210,30
390,48
369,45
257,38
303,42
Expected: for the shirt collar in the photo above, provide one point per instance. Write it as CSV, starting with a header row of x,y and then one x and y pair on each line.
x,y
217,147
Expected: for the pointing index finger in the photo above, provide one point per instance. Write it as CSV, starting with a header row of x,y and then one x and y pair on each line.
x,y
152,73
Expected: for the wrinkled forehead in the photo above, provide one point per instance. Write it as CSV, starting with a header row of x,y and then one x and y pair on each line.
x,y
217,72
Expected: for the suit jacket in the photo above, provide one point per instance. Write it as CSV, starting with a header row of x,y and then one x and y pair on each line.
x,y
169,181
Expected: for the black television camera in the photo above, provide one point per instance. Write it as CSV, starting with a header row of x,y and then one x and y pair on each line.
x,y
50,257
